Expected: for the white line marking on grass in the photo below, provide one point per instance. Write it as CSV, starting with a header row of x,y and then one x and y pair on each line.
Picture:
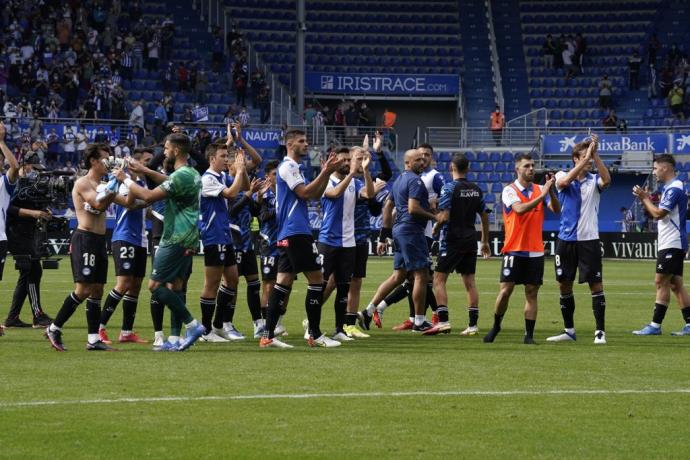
x,y
375,394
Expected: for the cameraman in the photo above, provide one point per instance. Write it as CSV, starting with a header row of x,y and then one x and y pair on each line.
x,y
7,185
23,217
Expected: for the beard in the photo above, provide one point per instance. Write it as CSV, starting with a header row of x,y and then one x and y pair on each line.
x,y
169,164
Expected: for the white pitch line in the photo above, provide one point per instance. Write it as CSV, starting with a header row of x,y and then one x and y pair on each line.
x,y
376,394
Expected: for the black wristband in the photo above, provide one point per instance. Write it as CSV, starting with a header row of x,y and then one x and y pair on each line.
x,y
385,233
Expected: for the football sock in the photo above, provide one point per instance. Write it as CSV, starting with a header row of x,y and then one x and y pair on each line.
x,y
430,297
157,311
568,310
254,299
529,327
174,302
659,314
129,312
398,294
312,304
275,303
69,306
473,313
498,319
340,305
93,314
225,306
370,309
442,312
109,307
599,310
350,319
686,314
419,320
410,305
208,306
175,325
264,311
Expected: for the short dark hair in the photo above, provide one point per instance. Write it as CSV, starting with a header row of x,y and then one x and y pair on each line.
x,y
426,146
666,158
522,156
340,150
290,134
181,141
580,148
461,162
213,147
93,151
270,166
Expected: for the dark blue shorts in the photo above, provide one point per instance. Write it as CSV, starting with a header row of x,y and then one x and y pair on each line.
x,y
411,252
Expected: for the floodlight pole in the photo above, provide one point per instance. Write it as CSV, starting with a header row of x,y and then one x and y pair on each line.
x,y
299,64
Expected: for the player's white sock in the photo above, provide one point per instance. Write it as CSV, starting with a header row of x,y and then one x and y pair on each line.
x,y
381,307
370,308
227,325
93,338
101,326
419,320
656,325
570,330
174,339
54,328
158,334
125,333
192,324
258,323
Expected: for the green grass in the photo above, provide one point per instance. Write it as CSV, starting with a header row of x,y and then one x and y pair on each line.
x,y
538,420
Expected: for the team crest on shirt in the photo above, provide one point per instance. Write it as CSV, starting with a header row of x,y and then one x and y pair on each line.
x,y
506,271
559,271
267,270
86,271
222,256
127,265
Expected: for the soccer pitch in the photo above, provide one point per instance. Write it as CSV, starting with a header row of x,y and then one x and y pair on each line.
x,y
394,395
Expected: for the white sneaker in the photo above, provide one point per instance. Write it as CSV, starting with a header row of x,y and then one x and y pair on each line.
x,y
564,337
259,330
229,333
470,330
354,331
273,343
305,326
323,341
280,330
212,337
342,337
158,341
600,338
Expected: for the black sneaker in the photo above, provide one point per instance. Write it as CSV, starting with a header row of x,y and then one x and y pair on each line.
x,y
99,346
491,336
529,340
425,326
55,338
42,321
364,320
15,322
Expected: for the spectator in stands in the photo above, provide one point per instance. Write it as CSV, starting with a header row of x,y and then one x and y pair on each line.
x,y
182,78
634,63
580,50
136,117
653,48
666,80
366,116
568,55
240,84
610,122
675,100
243,117
627,220
605,92
351,121
622,126
68,146
548,49
201,86
497,122
674,55
217,52
153,48
652,86
53,141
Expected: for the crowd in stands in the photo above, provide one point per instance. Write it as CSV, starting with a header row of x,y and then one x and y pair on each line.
x,y
74,59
